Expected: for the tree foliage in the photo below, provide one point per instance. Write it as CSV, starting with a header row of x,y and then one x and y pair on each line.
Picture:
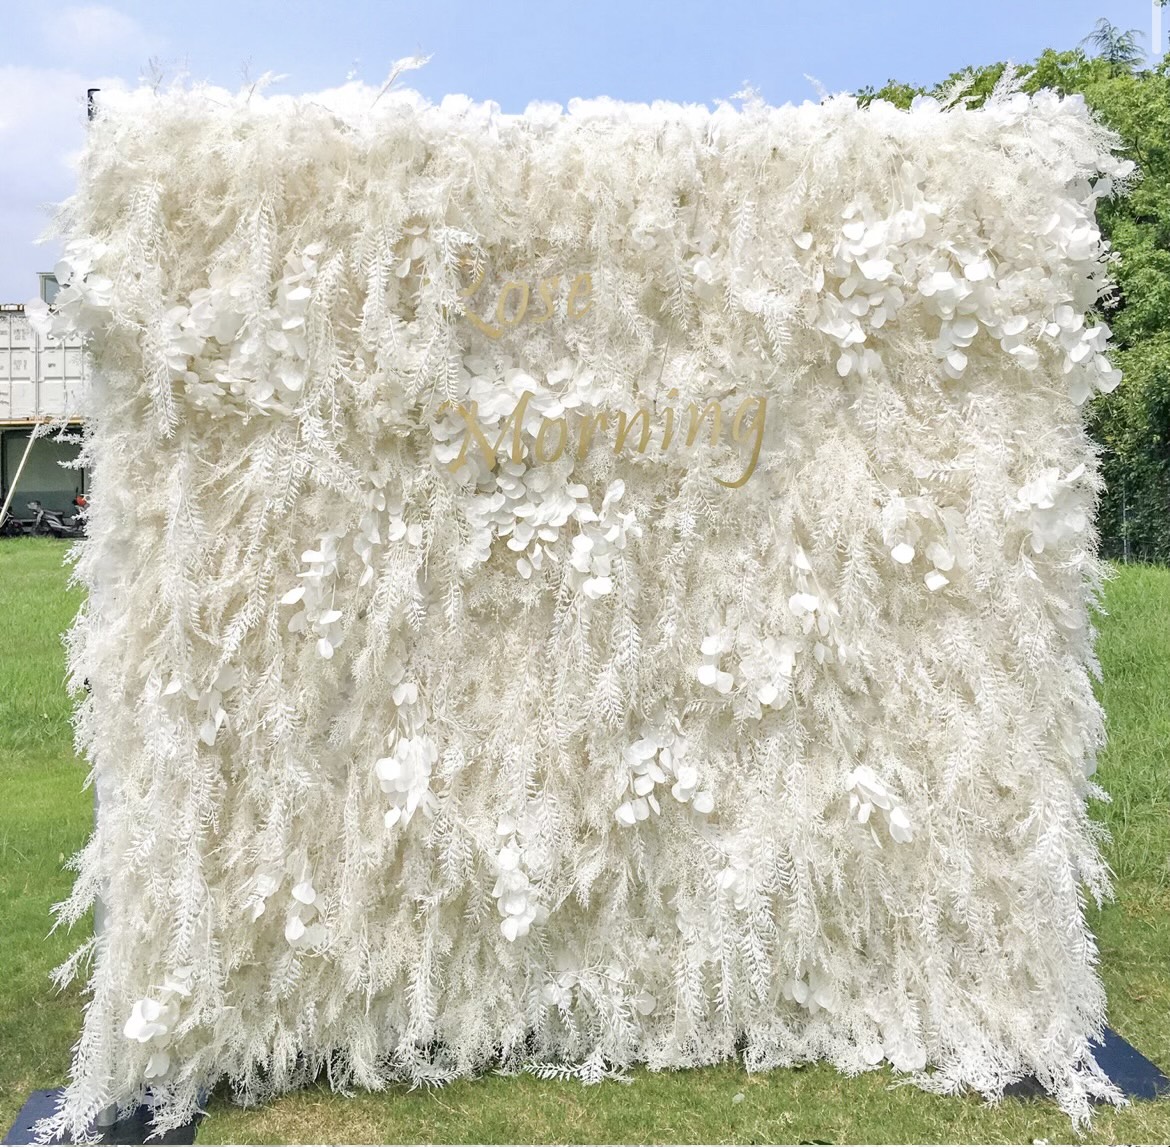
x,y
1133,423
1120,50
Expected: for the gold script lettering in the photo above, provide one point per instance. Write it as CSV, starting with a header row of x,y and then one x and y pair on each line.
x,y
471,417
547,287
545,425
756,429
587,428
582,284
502,306
624,425
697,421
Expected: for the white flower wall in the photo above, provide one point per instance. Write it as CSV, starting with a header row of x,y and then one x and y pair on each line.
x,y
417,756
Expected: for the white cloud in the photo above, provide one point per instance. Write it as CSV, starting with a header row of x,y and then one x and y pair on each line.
x,y
42,127
97,35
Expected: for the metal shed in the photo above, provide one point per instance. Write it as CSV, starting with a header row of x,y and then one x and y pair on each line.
x,y
40,379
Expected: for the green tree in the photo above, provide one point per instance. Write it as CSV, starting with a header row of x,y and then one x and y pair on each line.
x,y
1132,425
901,95
1117,48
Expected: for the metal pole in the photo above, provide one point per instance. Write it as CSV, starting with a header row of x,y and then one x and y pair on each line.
x,y
108,1116
1124,523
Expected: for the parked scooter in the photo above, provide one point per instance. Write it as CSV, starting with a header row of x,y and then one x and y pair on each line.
x,y
49,522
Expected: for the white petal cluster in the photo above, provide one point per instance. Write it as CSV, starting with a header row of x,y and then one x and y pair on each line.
x,y
264,884
82,305
887,265
658,757
811,987
768,667
383,523
517,900
738,881
714,647
763,675
558,992
603,535
154,1018
208,702
1083,345
898,1042
495,391
522,500
921,534
760,669
528,507
1054,508
866,792
763,668
815,614
303,927
405,776
316,596
405,773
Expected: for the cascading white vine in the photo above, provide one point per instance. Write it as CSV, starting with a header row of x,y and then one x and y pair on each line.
x,y
589,587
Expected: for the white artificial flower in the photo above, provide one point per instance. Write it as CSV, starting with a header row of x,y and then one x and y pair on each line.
x,y
868,792
737,879
406,776
658,757
516,896
150,1019
158,1064
1054,509
558,994
703,803
713,647
941,556
900,828
178,982
604,535
935,580
803,603
302,935
812,988
767,667
513,892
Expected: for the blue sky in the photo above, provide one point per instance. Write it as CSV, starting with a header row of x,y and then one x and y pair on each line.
x,y
510,52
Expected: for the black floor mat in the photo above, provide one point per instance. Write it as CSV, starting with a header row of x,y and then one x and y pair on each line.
x,y
133,1129
1122,1062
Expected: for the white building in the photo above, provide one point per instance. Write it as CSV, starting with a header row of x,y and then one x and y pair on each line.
x,y
40,379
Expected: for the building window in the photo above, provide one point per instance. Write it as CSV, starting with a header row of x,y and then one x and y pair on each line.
x,y
49,286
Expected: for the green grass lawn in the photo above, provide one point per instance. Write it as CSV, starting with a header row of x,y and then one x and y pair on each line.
x,y
45,815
